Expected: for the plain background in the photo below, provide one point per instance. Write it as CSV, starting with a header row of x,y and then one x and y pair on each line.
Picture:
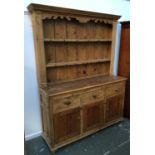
x,y
32,118
142,77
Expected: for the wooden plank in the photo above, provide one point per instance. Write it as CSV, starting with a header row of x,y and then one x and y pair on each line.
x,y
81,52
107,51
60,29
72,63
61,52
81,71
72,72
90,70
51,120
99,50
71,29
109,31
113,48
62,74
50,53
82,34
98,69
39,47
77,40
90,50
99,31
71,53
55,89
45,115
52,74
107,68
90,30
48,28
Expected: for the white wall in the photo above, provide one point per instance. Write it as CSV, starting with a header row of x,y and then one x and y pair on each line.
x,y
32,122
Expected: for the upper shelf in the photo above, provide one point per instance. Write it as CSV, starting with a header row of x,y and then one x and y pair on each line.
x,y
76,63
77,40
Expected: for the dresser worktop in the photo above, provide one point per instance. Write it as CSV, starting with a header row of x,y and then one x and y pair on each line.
x,y
56,89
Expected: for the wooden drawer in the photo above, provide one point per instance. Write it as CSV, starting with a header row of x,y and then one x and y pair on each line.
x,y
62,103
92,96
115,89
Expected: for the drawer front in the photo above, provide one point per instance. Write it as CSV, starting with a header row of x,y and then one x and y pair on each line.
x,y
63,103
115,89
92,96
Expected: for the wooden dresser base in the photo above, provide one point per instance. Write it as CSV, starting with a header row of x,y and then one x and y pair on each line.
x,y
69,115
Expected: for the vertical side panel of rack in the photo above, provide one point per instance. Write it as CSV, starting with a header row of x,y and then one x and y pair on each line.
x,y
39,47
114,26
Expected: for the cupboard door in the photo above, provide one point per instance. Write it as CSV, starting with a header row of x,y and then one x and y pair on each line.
x,y
113,108
92,116
66,124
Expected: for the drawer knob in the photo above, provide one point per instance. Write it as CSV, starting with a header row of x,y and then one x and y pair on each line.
x,y
67,102
94,96
116,90
84,72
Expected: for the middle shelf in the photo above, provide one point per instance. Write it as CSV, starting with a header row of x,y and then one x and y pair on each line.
x,y
77,40
57,64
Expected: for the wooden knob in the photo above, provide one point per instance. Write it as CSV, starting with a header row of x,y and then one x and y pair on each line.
x,y
84,72
94,96
67,102
116,90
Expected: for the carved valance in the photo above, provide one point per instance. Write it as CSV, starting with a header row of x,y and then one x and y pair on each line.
x,y
81,19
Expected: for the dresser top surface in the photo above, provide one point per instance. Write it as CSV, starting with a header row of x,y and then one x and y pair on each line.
x,y
55,89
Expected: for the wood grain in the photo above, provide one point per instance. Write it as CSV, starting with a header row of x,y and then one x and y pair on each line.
x,y
54,89
92,116
66,124
113,48
39,46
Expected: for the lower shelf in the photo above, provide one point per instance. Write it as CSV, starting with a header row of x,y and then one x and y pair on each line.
x,y
72,63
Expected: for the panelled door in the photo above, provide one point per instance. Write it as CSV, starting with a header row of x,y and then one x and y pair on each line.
x,y
113,108
92,116
66,124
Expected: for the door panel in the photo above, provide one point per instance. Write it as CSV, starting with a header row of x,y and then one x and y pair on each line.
x,y
92,116
113,108
66,124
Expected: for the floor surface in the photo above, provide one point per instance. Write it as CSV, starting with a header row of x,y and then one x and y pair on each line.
x,y
114,140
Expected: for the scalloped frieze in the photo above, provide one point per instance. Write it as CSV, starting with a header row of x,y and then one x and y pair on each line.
x,y
78,18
